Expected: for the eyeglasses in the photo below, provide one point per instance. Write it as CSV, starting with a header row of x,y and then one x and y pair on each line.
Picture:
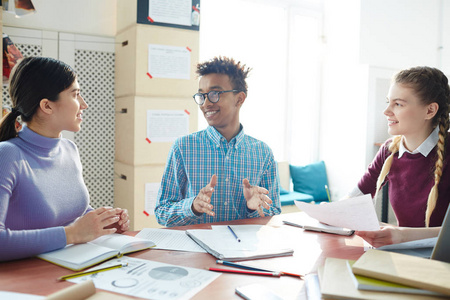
x,y
213,96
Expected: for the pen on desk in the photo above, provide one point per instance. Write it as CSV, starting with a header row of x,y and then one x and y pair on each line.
x,y
234,234
274,274
242,266
236,265
328,193
79,274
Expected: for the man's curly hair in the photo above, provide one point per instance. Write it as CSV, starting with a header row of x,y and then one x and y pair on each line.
x,y
237,72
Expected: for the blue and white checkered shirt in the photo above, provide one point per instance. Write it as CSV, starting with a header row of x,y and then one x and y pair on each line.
x,y
194,158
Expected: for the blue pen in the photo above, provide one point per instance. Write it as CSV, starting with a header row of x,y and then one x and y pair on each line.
x,y
241,266
234,234
230,264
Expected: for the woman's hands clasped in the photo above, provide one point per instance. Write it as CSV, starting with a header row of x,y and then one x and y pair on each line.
x,y
101,221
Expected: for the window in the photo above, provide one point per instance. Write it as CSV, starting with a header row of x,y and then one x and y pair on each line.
x,y
281,43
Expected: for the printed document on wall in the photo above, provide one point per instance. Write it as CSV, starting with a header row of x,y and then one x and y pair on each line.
x,y
151,194
169,62
166,125
170,11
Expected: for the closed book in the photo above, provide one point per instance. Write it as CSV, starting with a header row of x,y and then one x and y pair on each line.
x,y
255,241
336,282
80,256
371,284
409,270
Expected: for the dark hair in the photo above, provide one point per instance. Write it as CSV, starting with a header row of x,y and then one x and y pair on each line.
x,y
34,79
237,72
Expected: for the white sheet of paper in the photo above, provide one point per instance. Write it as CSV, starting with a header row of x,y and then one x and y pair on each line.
x,y
355,213
169,62
424,243
170,239
166,125
150,279
151,193
170,11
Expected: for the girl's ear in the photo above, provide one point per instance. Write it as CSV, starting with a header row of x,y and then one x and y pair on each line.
x,y
432,110
46,106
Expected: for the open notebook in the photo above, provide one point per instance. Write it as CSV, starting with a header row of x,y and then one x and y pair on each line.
x,y
256,241
81,256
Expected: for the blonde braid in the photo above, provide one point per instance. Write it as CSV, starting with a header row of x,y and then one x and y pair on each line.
x,y
393,148
433,196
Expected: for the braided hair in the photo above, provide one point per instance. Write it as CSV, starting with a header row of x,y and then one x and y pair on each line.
x,y
430,85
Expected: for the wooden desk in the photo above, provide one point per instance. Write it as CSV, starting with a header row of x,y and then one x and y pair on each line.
x,y
35,276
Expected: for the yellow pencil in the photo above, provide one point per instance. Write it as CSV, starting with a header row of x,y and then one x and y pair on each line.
x,y
328,193
79,274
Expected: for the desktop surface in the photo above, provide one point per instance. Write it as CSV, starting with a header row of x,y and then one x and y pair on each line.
x,y
35,276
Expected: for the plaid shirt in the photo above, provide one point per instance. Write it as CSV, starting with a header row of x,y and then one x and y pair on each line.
x,y
194,158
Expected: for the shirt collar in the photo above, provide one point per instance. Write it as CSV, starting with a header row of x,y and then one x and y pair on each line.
x,y
424,148
216,137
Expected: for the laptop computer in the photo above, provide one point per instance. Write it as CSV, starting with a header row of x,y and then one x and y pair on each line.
x,y
435,248
441,250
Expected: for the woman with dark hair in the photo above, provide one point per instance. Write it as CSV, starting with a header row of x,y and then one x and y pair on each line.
x,y
44,203
415,160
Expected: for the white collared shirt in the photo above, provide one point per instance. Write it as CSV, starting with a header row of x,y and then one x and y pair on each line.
x,y
424,148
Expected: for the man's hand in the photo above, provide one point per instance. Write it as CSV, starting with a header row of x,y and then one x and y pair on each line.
x,y
202,202
256,197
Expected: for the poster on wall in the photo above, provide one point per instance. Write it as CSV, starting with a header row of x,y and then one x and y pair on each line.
x,y
166,125
183,14
169,62
151,195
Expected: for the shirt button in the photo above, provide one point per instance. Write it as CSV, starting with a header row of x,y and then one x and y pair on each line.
x,y
227,157
226,179
225,203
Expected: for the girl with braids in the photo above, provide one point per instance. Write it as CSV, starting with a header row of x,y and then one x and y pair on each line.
x,y
44,203
415,160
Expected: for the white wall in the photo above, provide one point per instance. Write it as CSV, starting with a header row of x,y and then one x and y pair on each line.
x,y
93,17
367,42
343,118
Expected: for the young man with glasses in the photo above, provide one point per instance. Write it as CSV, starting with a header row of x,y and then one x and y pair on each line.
x,y
220,173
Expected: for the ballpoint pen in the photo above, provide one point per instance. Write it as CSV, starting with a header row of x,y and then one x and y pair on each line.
x,y
234,234
241,266
79,274
274,274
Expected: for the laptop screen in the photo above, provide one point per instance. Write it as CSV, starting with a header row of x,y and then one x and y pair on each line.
x,y
441,250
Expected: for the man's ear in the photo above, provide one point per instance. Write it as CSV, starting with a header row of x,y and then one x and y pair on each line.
x,y
432,110
240,99
46,106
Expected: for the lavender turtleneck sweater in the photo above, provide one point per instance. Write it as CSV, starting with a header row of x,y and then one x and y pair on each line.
x,y
41,191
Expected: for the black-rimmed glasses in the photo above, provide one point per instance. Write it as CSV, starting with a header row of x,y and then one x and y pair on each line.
x,y
213,96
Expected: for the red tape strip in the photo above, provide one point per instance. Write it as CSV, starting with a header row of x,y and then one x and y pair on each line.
x,y
195,8
151,77
146,213
186,111
189,49
150,19
147,139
